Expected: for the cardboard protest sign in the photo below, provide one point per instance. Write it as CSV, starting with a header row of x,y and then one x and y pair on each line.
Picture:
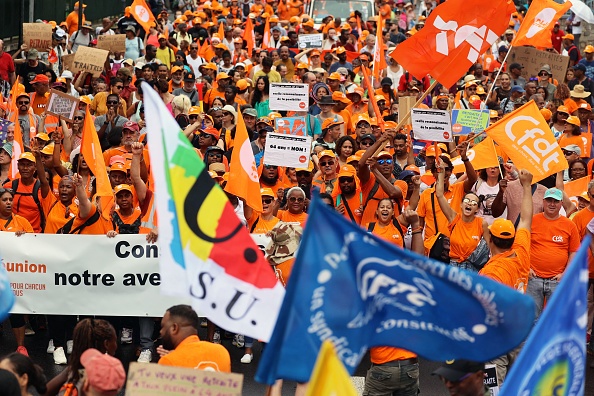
x,y
289,97
112,43
157,380
67,61
62,105
405,103
291,126
533,59
37,35
310,40
90,60
431,124
465,121
287,150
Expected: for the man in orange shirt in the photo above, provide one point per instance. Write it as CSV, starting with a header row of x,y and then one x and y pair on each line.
x,y
40,97
553,243
347,194
510,259
72,19
179,332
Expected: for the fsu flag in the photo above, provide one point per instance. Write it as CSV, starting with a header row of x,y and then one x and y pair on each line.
x,y
456,33
538,23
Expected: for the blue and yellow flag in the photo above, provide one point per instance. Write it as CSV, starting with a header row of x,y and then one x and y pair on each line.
x,y
207,254
329,377
358,291
553,359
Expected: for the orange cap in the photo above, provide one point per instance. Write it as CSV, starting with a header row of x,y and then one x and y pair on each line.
x,y
122,187
502,228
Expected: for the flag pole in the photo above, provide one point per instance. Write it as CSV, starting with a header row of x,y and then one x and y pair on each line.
x,y
407,116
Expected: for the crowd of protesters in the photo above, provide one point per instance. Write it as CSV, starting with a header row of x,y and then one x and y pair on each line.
x,y
196,57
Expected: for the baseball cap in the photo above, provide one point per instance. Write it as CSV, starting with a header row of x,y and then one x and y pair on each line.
x,y
517,88
222,76
32,54
40,78
131,125
562,109
189,77
251,112
118,166
579,66
122,187
554,193
454,371
334,76
573,120
406,173
589,49
326,153
568,36
502,228
383,154
27,156
310,168
104,373
338,96
48,150
212,131
368,136
43,136
347,170
330,122
67,74
574,148
267,192
175,69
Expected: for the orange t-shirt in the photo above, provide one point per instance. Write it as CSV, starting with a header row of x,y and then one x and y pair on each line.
x,y
288,217
25,206
212,94
354,203
136,213
262,226
100,227
39,103
199,355
551,242
18,223
283,271
454,196
583,141
385,354
388,233
581,220
464,237
274,188
511,268
371,206
56,214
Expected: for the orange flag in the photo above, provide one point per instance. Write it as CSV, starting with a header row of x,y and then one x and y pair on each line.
x,y
248,36
222,30
481,156
266,36
539,22
142,13
526,138
243,174
90,148
370,93
203,48
17,143
379,54
576,187
456,33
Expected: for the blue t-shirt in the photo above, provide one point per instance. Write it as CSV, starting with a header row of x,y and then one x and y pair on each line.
x,y
589,68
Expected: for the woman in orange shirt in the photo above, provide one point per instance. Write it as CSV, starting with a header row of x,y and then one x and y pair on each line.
x,y
574,135
466,228
295,212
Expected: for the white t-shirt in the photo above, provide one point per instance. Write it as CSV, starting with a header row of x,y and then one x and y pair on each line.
x,y
577,29
489,193
195,63
133,48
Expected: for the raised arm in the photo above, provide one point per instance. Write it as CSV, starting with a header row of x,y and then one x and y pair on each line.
x,y
84,205
498,206
447,210
471,175
526,209
364,171
139,184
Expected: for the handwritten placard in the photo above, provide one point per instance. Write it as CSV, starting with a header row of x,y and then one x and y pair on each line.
x,y
112,43
157,380
37,35
90,60
533,59
63,105
67,62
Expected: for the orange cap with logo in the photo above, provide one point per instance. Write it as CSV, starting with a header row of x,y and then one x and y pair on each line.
x,y
502,228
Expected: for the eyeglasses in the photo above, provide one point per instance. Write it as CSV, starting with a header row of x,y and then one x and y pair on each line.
x,y
21,103
112,102
78,118
384,161
296,199
327,163
270,166
543,74
470,202
193,48
119,86
346,179
267,201
226,113
578,170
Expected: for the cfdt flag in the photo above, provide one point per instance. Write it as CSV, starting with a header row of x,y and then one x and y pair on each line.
x,y
357,291
554,357
538,23
206,252
456,33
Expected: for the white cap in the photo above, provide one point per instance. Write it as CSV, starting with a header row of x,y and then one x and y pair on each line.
x,y
67,74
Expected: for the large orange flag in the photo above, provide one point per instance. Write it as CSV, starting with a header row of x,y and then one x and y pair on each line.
x,y
142,13
481,156
456,33
379,54
526,138
248,36
90,148
576,187
243,174
538,23
266,36
222,30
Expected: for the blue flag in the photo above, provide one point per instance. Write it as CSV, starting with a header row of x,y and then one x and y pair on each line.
x,y
554,356
358,291
6,294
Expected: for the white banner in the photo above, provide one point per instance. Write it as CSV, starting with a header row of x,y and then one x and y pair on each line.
x,y
310,40
84,274
289,97
287,150
433,125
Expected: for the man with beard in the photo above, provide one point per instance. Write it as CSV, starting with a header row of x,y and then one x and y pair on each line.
x,y
342,60
179,333
177,77
305,178
347,194
270,179
189,88
130,135
249,117
403,154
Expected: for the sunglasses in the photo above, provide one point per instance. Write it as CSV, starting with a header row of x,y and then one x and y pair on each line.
x,y
206,135
226,114
296,199
270,166
565,152
119,86
194,48
267,201
191,116
78,118
470,202
23,103
543,74
6,190
346,179
216,108
112,102
327,163
366,143
303,174
384,161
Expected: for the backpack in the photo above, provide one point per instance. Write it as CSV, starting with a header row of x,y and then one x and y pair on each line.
x,y
67,228
34,194
123,228
396,223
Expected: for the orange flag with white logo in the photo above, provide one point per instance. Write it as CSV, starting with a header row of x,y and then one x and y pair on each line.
x,y
243,174
379,55
456,33
248,36
90,148
575,188
142,13
526,138
481,156
266,36
540,19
